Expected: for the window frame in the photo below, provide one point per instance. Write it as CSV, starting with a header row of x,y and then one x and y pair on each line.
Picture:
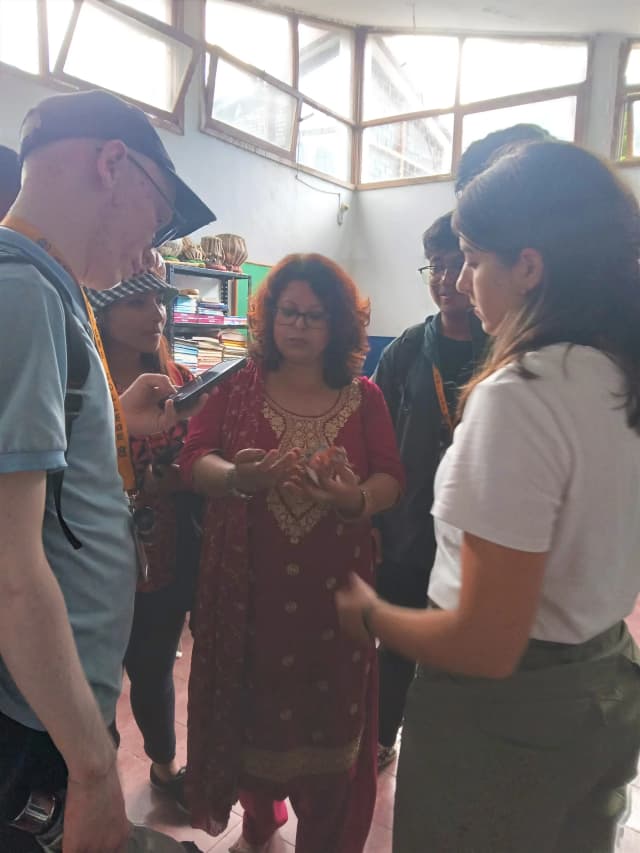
x,y
56,78
200,49
581,91
627,96
227,133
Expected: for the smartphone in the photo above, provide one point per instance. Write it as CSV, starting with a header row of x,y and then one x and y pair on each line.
x,y
188,394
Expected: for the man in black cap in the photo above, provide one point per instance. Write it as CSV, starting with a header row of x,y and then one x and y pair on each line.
x,y
98,189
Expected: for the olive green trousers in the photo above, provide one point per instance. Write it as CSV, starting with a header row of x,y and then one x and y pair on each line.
x,y
535,763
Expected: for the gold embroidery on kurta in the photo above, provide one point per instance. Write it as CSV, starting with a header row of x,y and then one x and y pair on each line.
x,y
297,517
306,761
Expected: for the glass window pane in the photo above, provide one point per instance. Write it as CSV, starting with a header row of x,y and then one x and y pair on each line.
x,y
632,77
326,67
149,66
59,14
260,38
635,107
253,106
19,34
324,144
492,68
558,117
405,74
407,149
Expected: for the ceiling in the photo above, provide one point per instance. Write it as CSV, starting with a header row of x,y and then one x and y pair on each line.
x,y
534,16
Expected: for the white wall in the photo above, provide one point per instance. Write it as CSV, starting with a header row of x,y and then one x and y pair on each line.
x,y
386,251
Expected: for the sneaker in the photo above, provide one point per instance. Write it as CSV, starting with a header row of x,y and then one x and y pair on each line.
x,y
386,756
174,787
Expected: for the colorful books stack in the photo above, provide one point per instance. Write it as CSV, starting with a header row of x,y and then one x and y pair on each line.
x,y
185,352
234,344
235,321
185,309
209,352
211,313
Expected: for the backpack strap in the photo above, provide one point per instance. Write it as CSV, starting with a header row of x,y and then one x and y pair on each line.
x,y
77,372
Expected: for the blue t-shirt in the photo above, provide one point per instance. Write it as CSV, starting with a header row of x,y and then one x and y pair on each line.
x,y
98,580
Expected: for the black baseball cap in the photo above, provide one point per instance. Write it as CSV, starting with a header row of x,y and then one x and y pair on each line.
x,y
98,114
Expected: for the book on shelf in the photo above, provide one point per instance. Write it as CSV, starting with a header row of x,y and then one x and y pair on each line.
x,y
209,352
185,352
234,344
184,317
205,305
185,304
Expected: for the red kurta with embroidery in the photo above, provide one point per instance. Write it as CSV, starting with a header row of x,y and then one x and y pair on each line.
x,y
308,693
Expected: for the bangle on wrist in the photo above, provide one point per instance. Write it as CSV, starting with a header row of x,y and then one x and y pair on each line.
x,y
362,513
367,613
230,485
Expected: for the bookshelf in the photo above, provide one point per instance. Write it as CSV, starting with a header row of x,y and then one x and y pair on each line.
x,y
194,332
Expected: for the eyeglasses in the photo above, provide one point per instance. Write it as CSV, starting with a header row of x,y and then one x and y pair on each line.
x,y
287,315
175,222
434,274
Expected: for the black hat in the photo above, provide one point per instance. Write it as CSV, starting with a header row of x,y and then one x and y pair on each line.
x,y
100,115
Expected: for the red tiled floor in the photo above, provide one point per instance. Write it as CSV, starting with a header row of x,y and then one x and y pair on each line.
x,y
147,806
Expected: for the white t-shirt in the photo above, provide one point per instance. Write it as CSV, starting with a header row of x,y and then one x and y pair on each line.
x,y
548,465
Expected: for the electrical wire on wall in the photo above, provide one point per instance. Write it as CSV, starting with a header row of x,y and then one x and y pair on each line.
x,y
343,206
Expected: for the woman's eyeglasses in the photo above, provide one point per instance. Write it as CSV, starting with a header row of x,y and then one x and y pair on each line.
x,y
287,315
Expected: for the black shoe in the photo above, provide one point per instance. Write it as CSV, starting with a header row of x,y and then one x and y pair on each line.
x,y
174,787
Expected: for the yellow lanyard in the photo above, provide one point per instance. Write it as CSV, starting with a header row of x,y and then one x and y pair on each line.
x,y
442,399
125,465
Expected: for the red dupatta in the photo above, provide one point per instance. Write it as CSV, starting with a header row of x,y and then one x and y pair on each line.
x,y
218,661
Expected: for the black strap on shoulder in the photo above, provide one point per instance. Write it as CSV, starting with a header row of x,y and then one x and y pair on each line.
x,y
77,372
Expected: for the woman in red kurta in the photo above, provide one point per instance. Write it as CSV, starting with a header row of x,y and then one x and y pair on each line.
x,y
280,703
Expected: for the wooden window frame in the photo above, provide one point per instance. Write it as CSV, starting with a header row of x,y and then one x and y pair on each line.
x,y
56,78
227,133
626,97
174,120
459,111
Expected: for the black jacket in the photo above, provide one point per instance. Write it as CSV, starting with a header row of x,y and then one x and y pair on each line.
x,y
405,377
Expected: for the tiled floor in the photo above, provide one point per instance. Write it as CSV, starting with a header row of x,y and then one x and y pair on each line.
x,y
146,806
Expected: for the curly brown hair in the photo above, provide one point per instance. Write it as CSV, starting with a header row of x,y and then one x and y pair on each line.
x,y
348,314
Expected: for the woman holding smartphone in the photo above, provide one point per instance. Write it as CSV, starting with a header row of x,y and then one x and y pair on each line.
x,y
523,724
131,318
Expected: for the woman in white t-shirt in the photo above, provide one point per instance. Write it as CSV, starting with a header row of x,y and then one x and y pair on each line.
x,y
523,724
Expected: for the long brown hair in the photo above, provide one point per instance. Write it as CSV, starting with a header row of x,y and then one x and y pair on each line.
x,y
348,315
567,204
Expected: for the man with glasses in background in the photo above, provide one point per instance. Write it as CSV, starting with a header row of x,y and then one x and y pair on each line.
x,y
98,190
420,374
